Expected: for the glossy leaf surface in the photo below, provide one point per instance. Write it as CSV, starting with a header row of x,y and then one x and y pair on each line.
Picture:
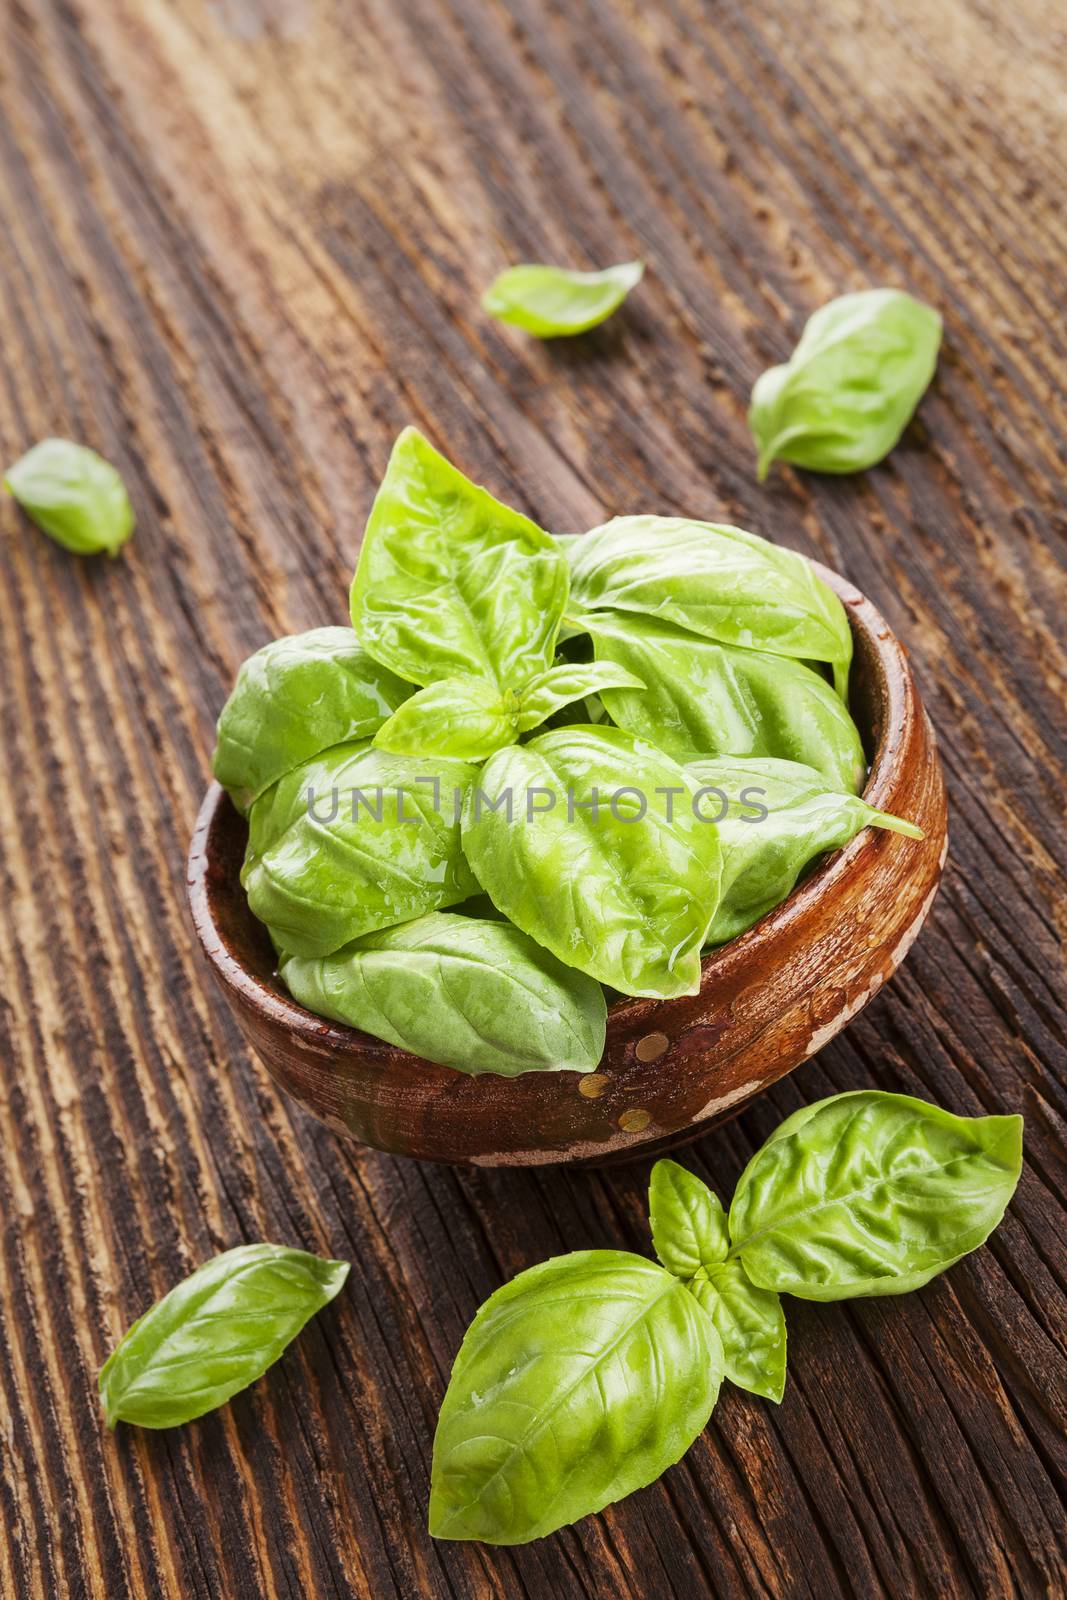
x,y
751,1324
471,994
688,1222
215,1333
578,1382
73,495
871,1194
566,682
553,302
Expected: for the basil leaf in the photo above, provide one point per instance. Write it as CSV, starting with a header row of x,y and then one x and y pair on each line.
x,y
578,1382
294,698
751,1324
552,302
379,844
215,1333
688,1222
774,819
451,583
464,717
73,495
845,396
547,693
871,1194
703,699
718,581
595,851
471,994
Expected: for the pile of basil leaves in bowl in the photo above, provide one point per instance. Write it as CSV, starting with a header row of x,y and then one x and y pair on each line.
x,y
569,845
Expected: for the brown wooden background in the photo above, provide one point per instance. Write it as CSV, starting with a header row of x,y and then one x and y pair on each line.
x,y
242,243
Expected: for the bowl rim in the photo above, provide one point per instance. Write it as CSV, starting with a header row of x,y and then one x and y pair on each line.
x,y
899,704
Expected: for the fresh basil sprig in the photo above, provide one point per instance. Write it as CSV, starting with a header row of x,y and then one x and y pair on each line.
x,y
215,1333
585,1378
553,302
73,495
848,391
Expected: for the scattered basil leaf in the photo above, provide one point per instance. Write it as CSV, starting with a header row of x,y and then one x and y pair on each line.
x,y
451,583
553,302
471,994
578,1382
718,581
851,386
215,1333
294,698
751,1324
779,818
703,698
379,845
626,897
73,495
871,1194
688,1222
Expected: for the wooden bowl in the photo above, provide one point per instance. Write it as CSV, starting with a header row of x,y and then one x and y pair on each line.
x,y
671,1068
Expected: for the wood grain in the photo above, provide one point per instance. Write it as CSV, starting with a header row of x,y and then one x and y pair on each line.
x,y
243,244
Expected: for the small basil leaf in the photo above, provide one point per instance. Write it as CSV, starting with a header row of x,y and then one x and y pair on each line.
x,y
471,994
378,843
688,1222
751,1324
871,1194
294,698
704,699
578,1382
718,581
586,838
552,302
547,693
451,583
850,388
779,818
73,495
215,1333
464,717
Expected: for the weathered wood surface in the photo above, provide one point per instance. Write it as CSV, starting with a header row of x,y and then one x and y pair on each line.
x,y
242,244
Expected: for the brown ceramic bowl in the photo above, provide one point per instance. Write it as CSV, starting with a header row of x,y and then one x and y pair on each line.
x,y
671,1068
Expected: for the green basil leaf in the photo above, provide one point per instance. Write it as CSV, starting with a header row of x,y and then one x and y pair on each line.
x,y
703,699
215,1333
624,892
464,717
718,581
552,302
688,1222
471,994
850,388
751,1324
294,698
871,1194
547,693
380,844
578,1382
451,583
73,495
779,818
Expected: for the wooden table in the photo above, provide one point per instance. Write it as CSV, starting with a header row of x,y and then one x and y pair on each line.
x,y
243,243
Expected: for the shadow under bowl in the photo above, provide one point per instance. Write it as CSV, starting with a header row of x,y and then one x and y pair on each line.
x,y
671,1068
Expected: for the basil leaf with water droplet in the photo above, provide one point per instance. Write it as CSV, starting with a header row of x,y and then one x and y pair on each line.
x,y
751,1324
73,495
553,302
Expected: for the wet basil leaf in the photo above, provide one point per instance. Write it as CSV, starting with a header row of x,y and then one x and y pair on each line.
x,y
850,388
751,1324
294,698
718,581
215,1333
578,1382
552,302
774,819
450,582
871,1194
625,892
688,1222
379,845
471,994
566,682
703,698
73,495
